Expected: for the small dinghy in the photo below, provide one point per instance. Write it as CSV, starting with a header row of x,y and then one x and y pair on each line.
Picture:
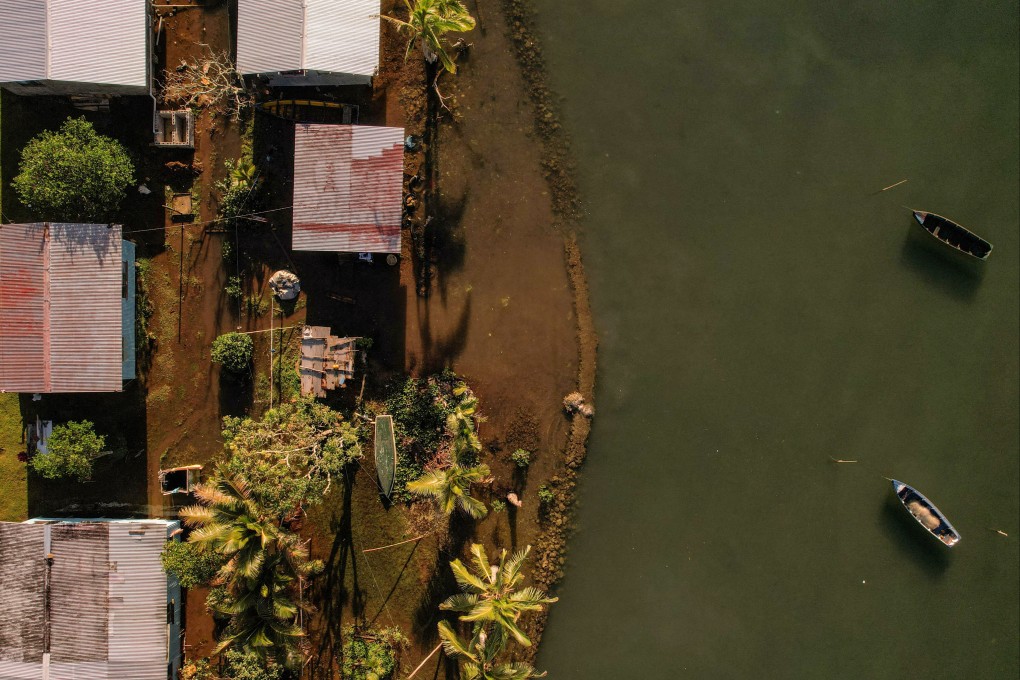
x,y
385,454
953,235
926,514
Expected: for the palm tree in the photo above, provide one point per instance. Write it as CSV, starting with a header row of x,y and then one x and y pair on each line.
x,y
262,616
429,20
263,561
452,488
230,522
478,657
461,424
489,594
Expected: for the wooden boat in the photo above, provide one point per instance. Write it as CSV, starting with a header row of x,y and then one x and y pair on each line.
x,y
953,235
385,454
926,514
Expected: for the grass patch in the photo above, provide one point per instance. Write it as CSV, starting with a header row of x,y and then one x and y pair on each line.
x,y
13,473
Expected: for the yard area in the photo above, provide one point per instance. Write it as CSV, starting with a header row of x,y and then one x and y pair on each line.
x,y
512,337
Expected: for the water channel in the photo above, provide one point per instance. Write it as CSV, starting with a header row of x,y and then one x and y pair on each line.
x,y
763,308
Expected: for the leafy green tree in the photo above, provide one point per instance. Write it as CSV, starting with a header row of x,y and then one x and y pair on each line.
x,y
451,486
290,457
190,563
70,451
233,351
428,21
74,174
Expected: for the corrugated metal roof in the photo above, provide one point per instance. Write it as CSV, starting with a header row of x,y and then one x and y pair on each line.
x,y
60,308
63,40
22,40
108,600
315,35
348,188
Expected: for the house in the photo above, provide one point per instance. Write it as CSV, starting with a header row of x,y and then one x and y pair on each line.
x,y
308,42
327,361
88,598
67,308
72,48
348,188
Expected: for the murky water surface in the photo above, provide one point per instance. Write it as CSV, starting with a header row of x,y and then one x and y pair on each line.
x,y
762,310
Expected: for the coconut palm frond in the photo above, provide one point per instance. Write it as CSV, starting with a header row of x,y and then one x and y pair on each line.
x,y
466,579
460,602
531,598
452,644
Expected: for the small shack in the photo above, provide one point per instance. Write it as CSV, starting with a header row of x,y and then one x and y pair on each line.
x,y
327,361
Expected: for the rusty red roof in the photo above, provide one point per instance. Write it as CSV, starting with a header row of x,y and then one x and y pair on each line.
x,y
348,188
60,308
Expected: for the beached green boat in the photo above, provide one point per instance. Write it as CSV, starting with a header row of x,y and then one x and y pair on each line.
x,y
385,453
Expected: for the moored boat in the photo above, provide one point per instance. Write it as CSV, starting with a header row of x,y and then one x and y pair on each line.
x,y
385,454
926,514
953,235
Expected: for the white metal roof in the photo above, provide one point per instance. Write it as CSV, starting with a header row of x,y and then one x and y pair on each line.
x,y
335,36
107,607
67,40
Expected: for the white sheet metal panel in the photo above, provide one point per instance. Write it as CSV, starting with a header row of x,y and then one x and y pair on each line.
x,y
138,601
79,597
67,40
98,42
342,37
23,355
60,308
85,310
22,40
348,188
270,35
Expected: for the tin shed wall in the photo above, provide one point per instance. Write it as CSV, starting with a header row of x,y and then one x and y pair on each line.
x,y
23,352
99,42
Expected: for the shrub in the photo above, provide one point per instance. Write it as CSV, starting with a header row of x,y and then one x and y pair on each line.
x,y
233,288
233,351
521,457
249,666
71,449
498,505
371,654
546,495
74,174
190,563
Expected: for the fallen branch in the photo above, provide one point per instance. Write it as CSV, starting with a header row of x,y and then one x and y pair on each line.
x,y
425,661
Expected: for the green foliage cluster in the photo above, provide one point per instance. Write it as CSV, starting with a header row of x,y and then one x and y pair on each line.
x,y
371,654
291,455
247,666
143,304
498,505
233,289
521,458
74,174
233,351
239,190
419,408
428,21
71,449
192,564
546,495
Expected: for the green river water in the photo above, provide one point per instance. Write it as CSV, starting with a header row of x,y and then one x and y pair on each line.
x,y
761,310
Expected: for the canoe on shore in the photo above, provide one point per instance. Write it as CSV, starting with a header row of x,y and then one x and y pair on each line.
x,y
926,514
385,454
953,235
